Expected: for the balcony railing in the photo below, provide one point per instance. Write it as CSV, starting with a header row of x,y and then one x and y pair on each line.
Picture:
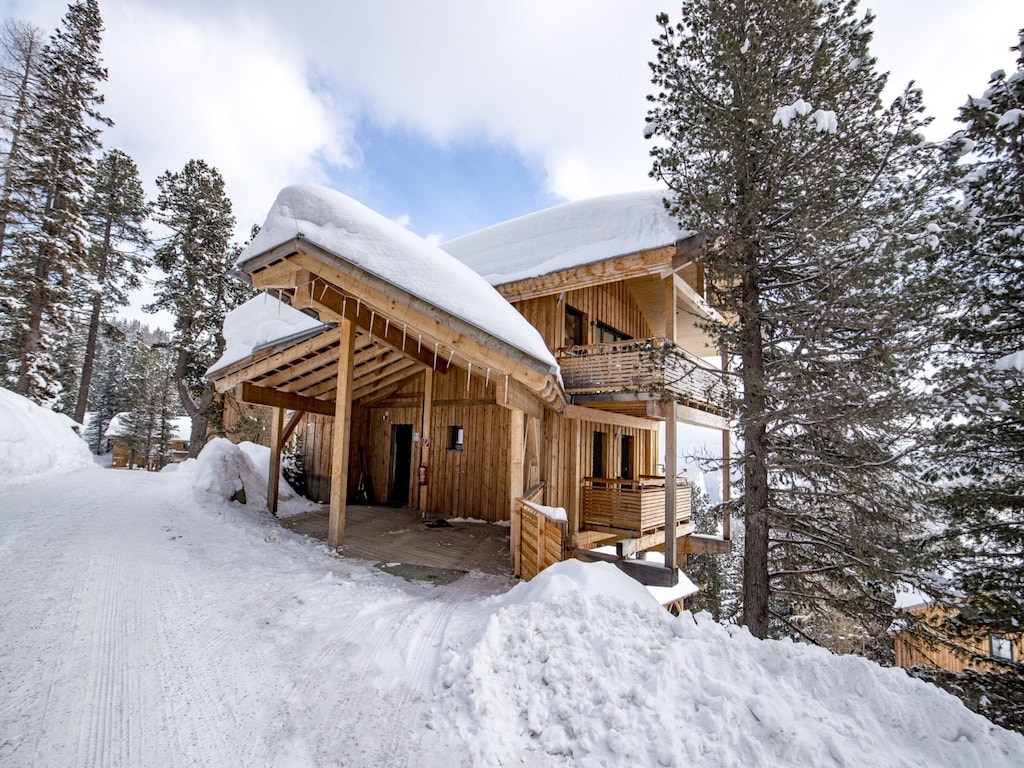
x,y
642,365
631,507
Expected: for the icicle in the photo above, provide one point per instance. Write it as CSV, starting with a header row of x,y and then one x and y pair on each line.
x,y
404,329
344,305
387,325
469,376
323,291
373,316
419,344
452,355
435,354
487,378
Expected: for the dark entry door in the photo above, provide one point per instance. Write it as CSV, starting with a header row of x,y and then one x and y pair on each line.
x,y
401,464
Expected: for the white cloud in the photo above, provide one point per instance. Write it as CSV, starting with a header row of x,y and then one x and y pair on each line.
x,y
269,91
224,90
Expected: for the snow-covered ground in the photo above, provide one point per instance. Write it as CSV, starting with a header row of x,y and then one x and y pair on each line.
x,y
147,622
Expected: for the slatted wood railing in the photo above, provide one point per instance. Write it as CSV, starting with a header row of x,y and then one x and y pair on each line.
x,y
631,507
642,365
537,539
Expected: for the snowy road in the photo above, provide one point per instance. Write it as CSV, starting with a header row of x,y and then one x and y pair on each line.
x,y
140,630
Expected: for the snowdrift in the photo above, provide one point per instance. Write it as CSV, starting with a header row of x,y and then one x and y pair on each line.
x,y
600,675
36,441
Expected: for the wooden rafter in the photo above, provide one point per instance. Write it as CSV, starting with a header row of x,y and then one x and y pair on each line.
x,y
250,393
314,292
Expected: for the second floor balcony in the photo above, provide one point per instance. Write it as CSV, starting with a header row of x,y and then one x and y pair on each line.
x,y
653,366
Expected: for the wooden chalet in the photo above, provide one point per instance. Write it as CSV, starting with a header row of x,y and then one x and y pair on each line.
x,y
545,386
123,455
931,644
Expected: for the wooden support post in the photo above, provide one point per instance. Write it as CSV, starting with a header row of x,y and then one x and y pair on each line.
x,y
671,437
274,474
670,484
426,439
726,483
342,432
516,455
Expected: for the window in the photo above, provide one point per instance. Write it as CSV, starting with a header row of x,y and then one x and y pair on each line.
x,y
1001,648
597,455
573,327
457,438
626,458
607,334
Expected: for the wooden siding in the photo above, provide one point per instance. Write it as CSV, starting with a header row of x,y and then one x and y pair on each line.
x,y
611,304
541,541
472,482
569,458
313,438
930,646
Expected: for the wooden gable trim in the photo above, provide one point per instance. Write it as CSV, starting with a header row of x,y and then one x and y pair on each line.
x,y
657,261
300,264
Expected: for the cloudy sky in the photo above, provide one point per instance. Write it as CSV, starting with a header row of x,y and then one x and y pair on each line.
x,y
447,115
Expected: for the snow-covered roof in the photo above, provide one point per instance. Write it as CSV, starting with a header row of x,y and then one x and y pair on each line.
x,y
385,249
181,427
262,320
568,236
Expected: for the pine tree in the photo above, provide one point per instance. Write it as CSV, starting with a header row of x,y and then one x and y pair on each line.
x,y
20,44
773,141
197,290
980,441
60,139
116,211
108,396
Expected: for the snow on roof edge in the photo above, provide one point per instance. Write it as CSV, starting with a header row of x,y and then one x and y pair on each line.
x,y
364,238
569,235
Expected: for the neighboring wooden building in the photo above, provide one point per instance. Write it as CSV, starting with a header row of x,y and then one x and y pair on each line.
x,y
930,644
430,387
123,455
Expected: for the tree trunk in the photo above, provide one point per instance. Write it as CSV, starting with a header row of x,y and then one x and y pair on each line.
x,y
33,334
196,411
94,331
755,464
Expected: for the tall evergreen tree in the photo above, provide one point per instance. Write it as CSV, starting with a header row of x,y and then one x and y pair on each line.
x,y
60,140
980,453
109,395
20,45
197,290
116,211
773,141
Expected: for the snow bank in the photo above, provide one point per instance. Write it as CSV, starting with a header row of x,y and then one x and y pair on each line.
x,y
259,455
261,320
222,470
36,441
362,237
568,236
578,667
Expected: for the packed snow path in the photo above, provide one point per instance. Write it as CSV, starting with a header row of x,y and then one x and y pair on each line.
x,y
148,623
140,631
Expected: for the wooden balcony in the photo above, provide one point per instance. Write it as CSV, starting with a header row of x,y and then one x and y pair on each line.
x,y
631,508
643,366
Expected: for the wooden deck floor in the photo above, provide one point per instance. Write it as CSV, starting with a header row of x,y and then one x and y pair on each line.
x,y
390,535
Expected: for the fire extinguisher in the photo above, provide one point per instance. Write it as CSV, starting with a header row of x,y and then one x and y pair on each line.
x,y
423,474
